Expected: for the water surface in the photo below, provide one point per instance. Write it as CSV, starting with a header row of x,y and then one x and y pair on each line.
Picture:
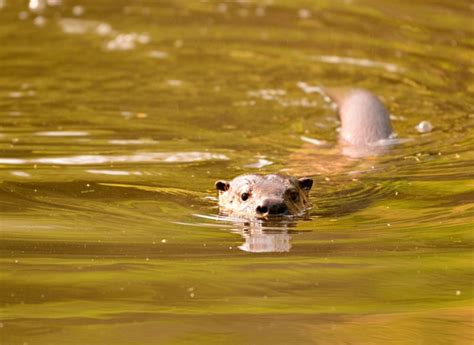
x,y
117,117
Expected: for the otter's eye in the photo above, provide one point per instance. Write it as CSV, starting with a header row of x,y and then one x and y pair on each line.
x,y
244,196
294,196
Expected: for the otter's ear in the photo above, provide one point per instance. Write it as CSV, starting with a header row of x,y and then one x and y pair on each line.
x,y
222,185
305,183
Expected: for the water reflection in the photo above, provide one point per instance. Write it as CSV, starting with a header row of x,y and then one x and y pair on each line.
x,y
358,62
260,235
266,236
166,157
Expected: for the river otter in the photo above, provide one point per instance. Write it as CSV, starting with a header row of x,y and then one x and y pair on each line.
x,y
260,196
364,123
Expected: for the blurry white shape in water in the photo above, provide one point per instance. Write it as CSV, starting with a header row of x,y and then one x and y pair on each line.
x,y
424,127
357,62
62,134
394,117
157,54
15,94
37,5
53,3
2,4
114,172
314,141
262,162
39,21
104,29
145,157
78,10
126,114
267,94
174,82
304,13
132,141
20,173
127,41
309,88
82,26
301,102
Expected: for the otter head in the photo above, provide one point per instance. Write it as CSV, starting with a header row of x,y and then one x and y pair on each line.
x,y
261,196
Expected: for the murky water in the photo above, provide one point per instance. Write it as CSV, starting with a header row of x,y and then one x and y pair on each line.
x,y
118,116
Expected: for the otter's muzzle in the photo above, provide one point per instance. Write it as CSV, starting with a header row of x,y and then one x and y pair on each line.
x,y
271,207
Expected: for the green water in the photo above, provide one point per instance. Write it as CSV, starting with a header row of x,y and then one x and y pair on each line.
x,y
110,145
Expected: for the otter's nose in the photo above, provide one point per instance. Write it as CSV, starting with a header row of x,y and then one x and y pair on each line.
x,y
271,206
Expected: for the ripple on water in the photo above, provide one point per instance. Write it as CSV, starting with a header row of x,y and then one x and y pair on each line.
x,y
338,60
114,172
62,134
76,26
145,157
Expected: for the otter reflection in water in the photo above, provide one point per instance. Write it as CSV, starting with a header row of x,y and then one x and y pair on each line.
x,y
266,236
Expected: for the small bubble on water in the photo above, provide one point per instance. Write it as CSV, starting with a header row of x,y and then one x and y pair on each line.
x,y
424,127
163,240
191,295
458,292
